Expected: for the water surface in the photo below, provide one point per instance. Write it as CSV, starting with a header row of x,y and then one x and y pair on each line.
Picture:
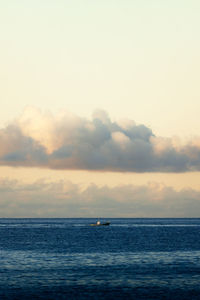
x,y
69,259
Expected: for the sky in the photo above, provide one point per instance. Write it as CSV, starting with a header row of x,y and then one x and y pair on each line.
x,y
99,108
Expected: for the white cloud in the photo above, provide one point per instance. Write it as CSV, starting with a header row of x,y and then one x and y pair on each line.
x,y
67,141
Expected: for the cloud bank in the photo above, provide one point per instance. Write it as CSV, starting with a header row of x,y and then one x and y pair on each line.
x,y
65,199
67,141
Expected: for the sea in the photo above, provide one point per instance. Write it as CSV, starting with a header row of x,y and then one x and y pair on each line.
x,y
136,258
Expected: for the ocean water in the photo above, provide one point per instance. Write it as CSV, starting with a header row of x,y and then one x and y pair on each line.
x,y
130,259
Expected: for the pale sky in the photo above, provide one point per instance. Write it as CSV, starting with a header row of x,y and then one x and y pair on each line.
x,y
136,60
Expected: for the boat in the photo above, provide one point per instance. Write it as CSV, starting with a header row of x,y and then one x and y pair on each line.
x,y
98,223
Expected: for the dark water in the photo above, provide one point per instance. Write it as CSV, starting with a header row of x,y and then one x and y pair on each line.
x,y
130,259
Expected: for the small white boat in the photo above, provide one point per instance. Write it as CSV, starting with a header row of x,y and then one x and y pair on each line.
x,y
98,223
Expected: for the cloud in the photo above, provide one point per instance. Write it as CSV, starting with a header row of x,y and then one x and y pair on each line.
x,y
16,149
65,199
67,141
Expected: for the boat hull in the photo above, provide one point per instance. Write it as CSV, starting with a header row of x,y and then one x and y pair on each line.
x,y
103,224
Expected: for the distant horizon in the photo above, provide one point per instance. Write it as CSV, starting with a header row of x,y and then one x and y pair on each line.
x,y
99,218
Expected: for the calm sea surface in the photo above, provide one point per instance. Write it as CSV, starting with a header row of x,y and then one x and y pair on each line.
x,y
130,259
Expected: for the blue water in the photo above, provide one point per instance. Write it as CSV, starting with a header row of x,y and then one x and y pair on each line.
x,y
130,259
